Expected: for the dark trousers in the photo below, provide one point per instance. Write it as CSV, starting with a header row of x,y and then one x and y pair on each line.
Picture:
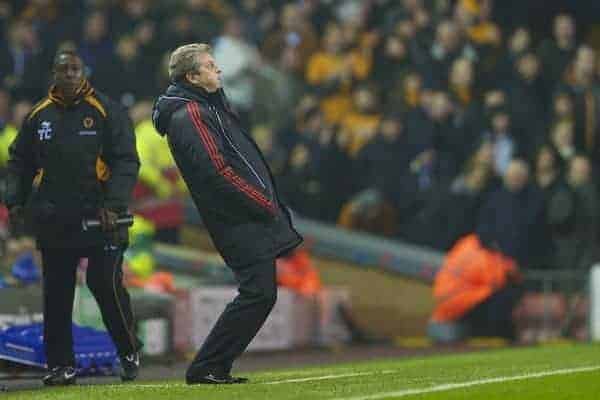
x,y
104,278
493,317
240,322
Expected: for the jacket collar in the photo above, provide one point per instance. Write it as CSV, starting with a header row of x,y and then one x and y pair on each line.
x,y
190,92
84,90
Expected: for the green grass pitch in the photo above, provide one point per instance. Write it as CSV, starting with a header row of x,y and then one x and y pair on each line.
x,y
549,372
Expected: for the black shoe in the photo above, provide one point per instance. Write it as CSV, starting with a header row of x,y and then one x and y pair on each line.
x,y
130,366
237,379
210,379
60,376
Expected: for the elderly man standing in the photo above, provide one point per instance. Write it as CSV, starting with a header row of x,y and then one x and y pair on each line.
x,y
234,191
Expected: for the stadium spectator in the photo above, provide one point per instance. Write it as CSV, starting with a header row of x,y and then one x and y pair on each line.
x,y
207,17
241,62
383,164
300,182
450,212
293,31
129,14
96,44
559,200
512,221
362,120
126,76
462,91
504,146
556,53
580,83
519,43
331,72
527,106
20,58
562,109
583,246
279,88
449,45
562,138
392,65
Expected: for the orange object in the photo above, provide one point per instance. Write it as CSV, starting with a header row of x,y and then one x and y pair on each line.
x,y
158,282
470,274
297,272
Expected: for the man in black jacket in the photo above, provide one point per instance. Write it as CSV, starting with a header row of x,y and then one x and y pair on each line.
x,y
75,159
234,191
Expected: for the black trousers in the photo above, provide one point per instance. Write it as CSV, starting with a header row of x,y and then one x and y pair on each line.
x,y
493,317
240,322
104,278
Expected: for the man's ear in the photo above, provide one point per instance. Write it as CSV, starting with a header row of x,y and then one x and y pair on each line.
x,y
192,77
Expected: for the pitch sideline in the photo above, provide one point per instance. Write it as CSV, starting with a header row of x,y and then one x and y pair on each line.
x,y
451,386
400,393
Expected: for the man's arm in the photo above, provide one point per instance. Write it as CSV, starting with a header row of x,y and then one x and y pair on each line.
x,y
120,155
20,167
210,165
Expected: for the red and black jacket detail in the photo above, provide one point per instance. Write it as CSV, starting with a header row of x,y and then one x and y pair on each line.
x,y
227,175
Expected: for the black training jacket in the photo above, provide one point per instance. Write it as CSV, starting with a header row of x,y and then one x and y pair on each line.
x,y
227,175
68,161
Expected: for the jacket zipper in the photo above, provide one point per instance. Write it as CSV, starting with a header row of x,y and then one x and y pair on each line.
x,y
262,183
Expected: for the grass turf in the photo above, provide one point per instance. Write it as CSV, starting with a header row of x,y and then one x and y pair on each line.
x,y
381,379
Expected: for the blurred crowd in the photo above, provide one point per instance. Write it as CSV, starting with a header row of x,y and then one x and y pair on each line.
x,y
421,120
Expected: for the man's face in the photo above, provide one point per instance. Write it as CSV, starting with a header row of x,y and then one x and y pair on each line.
x,y
564,28
516,176
462,73
448,36
208,75
68,74
580,171
528,67
585,60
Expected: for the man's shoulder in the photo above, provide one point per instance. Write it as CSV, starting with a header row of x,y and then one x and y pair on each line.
x,y
104,103
38,108
191,112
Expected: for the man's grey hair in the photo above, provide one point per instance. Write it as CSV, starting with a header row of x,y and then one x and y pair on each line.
x,y
184,59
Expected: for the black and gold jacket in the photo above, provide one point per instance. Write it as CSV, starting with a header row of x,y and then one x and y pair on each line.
x,y
68,160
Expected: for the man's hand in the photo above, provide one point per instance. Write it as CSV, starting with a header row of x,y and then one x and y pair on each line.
x,y
108,219
16,219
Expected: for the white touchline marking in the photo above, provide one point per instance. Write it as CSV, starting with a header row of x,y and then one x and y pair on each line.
x,y
296,380
325,377
451,386
145,385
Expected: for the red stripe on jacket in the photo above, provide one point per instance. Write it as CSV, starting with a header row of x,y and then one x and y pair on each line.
x,y
219,162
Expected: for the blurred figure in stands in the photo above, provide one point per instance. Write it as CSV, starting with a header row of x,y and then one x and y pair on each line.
x,y
527,106
362,121
332,70
557,52
583,243
96,45
19,61
580,82
562,138
500,136
512,219
293,30
241,62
